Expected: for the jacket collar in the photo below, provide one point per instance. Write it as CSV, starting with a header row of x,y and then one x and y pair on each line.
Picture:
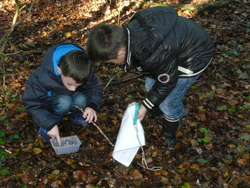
x,y
128,51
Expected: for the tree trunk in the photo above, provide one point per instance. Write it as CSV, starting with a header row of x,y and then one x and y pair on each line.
x,y
193,7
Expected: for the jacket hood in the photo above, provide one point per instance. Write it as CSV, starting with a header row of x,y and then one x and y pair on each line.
x,y
54,54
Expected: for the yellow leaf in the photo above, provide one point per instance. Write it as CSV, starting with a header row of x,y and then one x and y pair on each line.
x,y
194,142
11,105
44,33
164,172
225,174
247,86
200,107
67,35
103,116
55,172
194,167
10,69
213,87
193,124
154,153
37,150
180,170
161,172
164,180
157,172
116,122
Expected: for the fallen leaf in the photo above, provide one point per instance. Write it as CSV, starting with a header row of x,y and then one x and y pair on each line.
x,y
37,150
135,174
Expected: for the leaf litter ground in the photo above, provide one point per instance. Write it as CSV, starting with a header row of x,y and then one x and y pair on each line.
x,y
213,148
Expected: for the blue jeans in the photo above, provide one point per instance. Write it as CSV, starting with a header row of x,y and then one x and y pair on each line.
x,y
60,105
64,104
173,106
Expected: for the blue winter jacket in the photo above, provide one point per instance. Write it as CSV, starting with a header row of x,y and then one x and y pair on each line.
x,y
46,80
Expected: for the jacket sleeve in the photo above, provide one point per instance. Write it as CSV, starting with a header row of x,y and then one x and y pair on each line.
x,y
93,90
166,77
34,96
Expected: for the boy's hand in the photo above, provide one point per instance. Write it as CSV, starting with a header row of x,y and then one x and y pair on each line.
x,y
89,115
142,112
54,133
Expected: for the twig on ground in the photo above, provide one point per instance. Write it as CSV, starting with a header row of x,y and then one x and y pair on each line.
x,y
96,127
6,150
122,80
108,82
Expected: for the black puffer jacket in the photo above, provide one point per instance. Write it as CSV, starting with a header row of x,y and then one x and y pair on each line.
x,y
46,81
167,46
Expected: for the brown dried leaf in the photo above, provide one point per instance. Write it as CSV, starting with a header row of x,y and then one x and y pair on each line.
x,y
135,174
79,175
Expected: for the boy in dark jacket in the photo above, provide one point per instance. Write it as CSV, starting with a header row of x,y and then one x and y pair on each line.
x,y
63,81
172,49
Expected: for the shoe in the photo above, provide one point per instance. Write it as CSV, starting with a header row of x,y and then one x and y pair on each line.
x,y
169,130
156,111
43,133
78,119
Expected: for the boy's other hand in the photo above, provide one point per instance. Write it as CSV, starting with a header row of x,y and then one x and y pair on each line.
x,y
54,133
142,112
89,115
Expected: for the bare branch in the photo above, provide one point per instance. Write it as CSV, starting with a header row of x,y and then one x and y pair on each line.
x,y
15,22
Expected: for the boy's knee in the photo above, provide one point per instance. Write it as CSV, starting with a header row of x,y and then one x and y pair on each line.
x,y
64,104
80,100
174,112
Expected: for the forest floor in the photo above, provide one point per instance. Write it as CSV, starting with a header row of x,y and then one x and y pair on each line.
x,y
213,149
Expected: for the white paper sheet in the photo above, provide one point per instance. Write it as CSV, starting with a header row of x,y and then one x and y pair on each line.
x,y
130,137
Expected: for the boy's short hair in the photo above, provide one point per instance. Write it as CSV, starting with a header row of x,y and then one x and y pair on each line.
x,y
104,42
76,64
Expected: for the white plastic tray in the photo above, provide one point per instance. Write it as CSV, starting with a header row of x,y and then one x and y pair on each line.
x,y
70,144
